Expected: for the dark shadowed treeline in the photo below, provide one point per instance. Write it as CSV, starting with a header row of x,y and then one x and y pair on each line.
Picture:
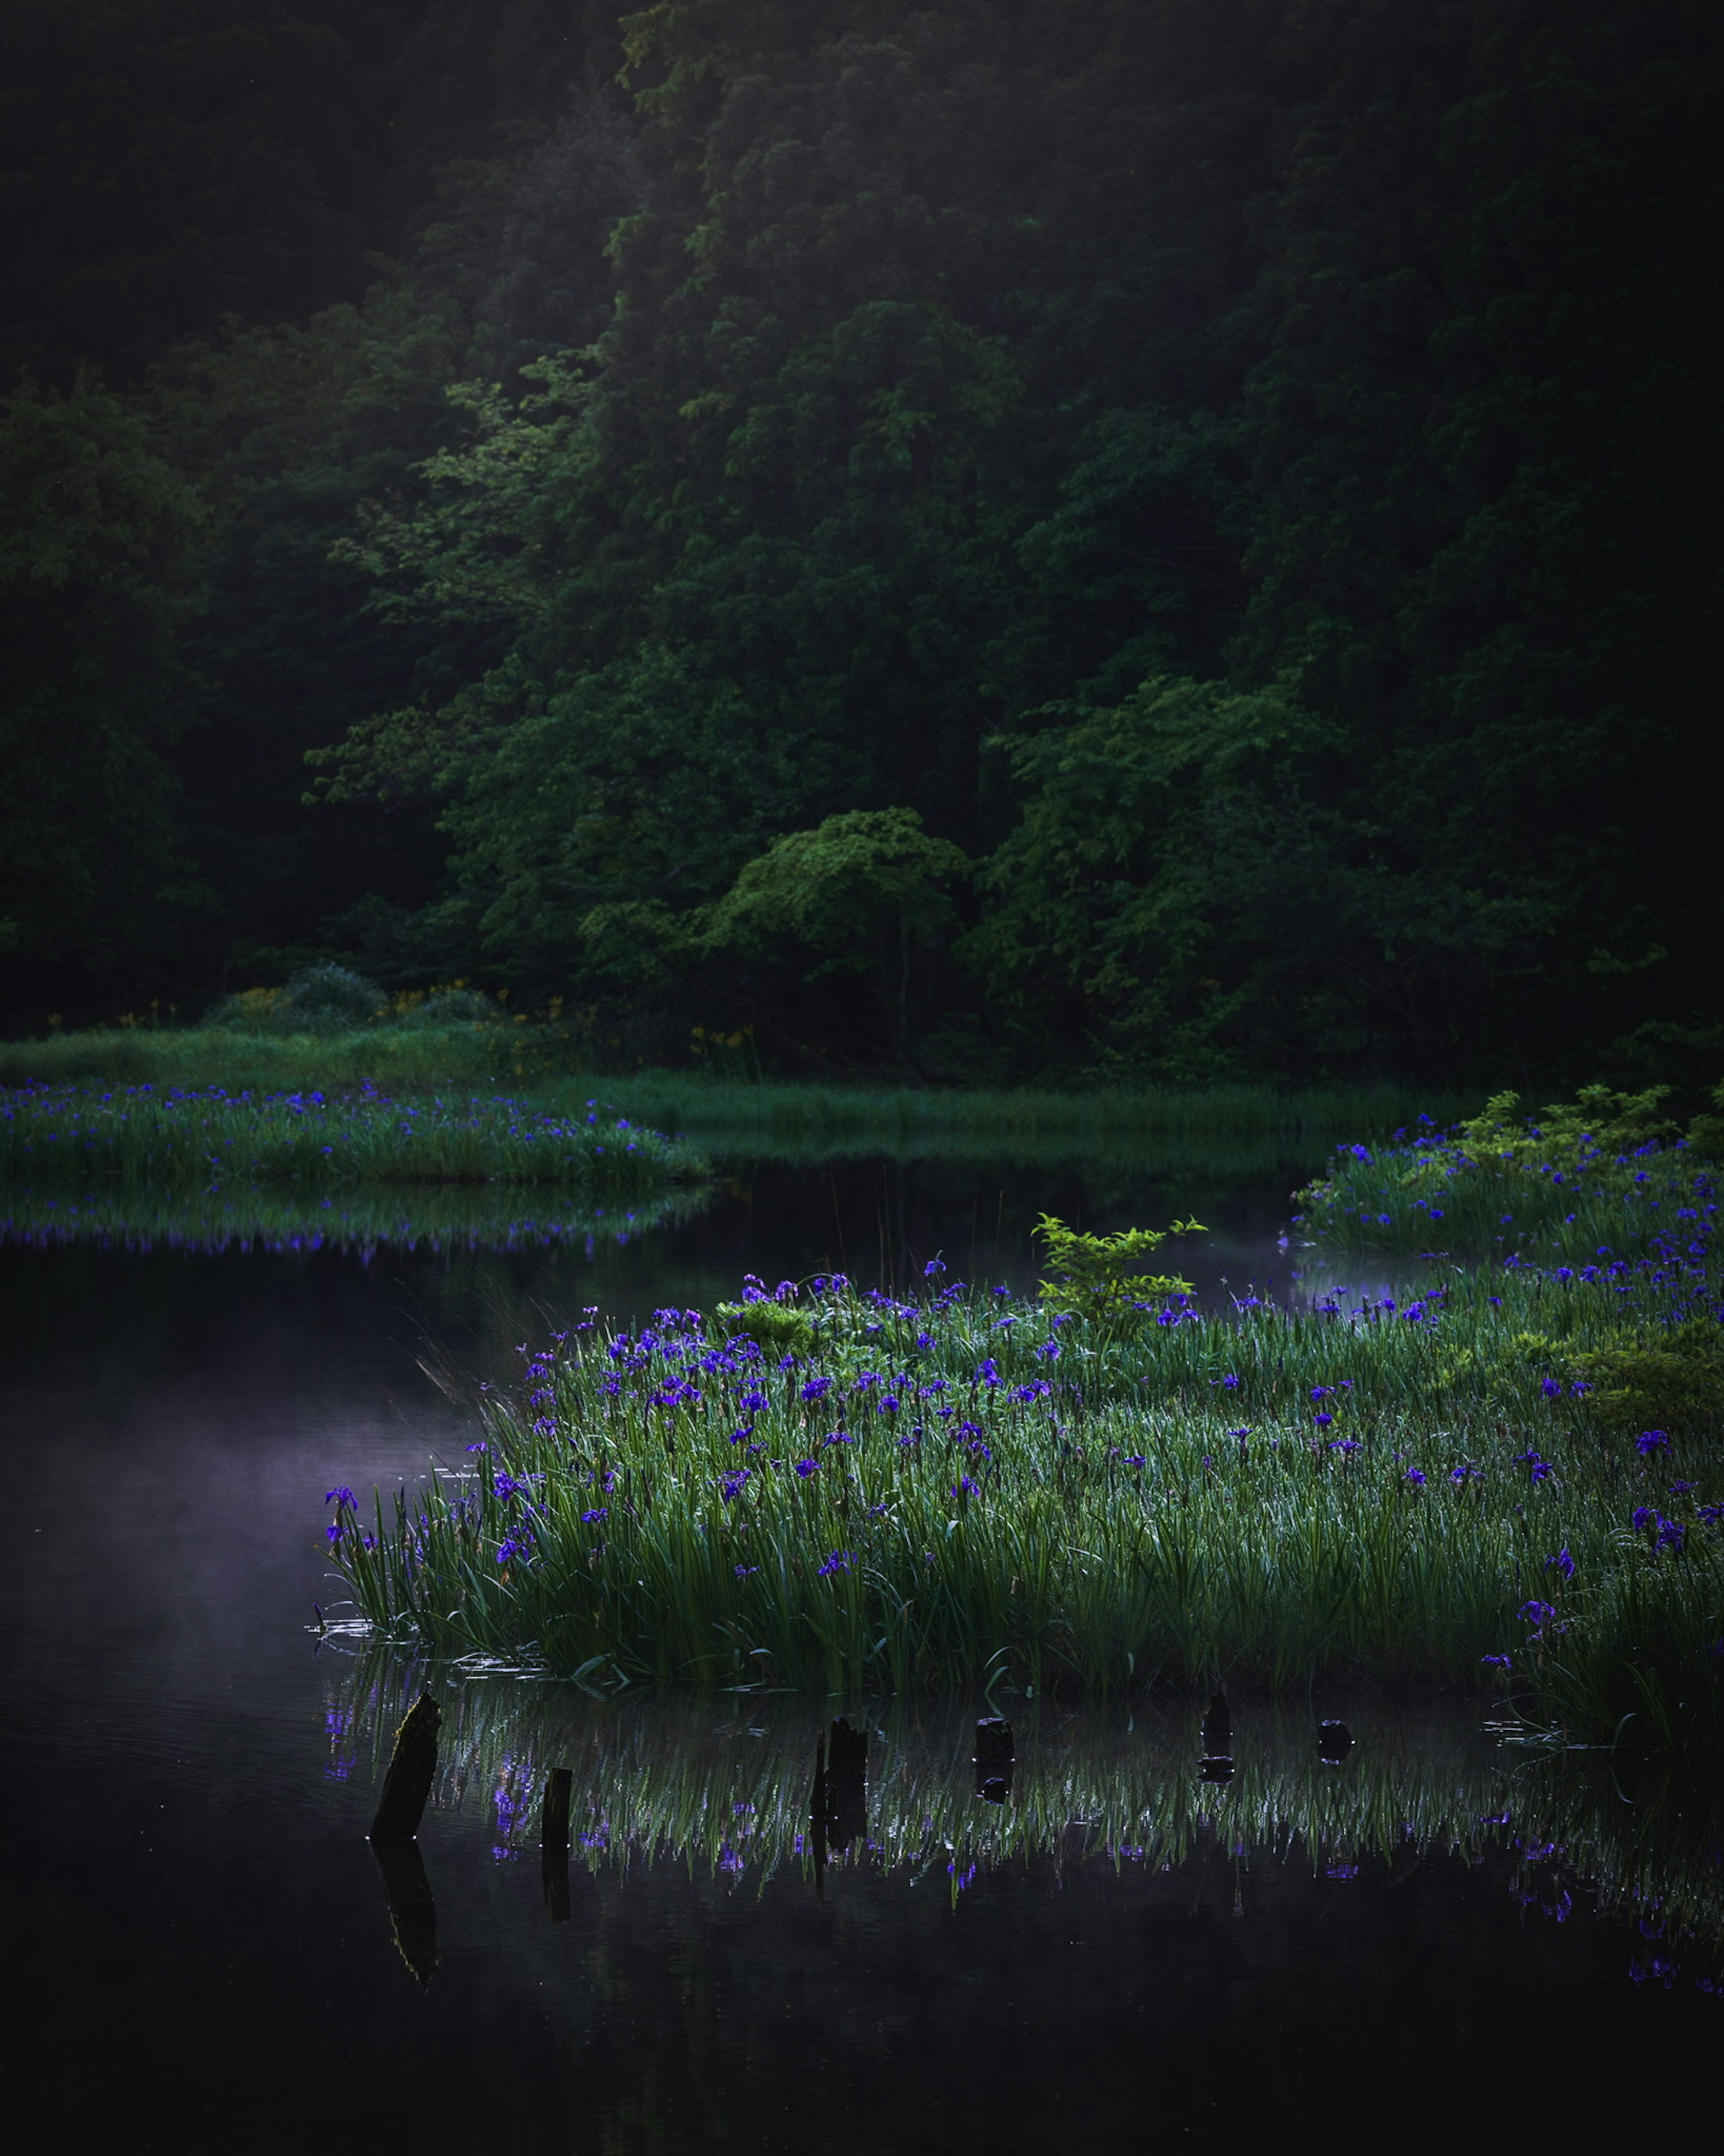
x,y
997,541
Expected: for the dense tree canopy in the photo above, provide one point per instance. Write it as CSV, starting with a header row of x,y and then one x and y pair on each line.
x,y
1235,475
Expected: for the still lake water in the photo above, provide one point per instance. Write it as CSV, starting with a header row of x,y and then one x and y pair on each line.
x,y
1385,1951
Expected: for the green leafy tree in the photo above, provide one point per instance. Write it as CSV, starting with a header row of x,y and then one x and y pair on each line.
x,y
854,905
1109,904
101,545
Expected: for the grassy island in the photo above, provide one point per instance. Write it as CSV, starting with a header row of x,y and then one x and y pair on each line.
x,y
1499,1471
205,1137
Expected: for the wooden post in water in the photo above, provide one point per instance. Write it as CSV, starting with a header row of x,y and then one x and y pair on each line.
x,y
554,1843
412,1765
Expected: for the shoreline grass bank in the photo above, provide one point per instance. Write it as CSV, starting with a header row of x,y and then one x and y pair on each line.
x,y
210,1139
765,1118
1512,1473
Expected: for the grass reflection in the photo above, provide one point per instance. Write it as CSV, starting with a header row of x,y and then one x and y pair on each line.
x,y
723,1786
365,1218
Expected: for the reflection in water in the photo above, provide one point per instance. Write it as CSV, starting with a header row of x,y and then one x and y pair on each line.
x,y
367,1218
995,1758
412,1913
187,1793
554,1843
878,1217
930,1794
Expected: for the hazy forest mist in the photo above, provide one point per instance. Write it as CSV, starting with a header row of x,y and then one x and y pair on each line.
x,y
1000,540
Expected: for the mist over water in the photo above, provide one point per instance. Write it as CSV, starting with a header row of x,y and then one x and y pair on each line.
x,y
1120,1953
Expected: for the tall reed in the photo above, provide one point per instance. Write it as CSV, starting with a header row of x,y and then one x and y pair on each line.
x,y
828,1490
212,1138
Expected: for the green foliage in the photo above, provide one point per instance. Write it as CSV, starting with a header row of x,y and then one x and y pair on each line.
x,y
1569,1134
1097,1276
839,889
69,1135
862,897
242,1058
951,1491
101,543
1283,429
1112,898
322,999
776,1327
1674,1380
1706,1133
289,431
444,1007
1559,1178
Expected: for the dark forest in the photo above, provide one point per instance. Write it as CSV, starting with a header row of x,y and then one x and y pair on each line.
x,y
997,541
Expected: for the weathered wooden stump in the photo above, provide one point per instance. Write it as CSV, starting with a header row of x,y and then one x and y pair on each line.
x,y
412,1766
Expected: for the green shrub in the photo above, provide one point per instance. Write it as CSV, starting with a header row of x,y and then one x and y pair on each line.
x,y
452,1006
776,1327
1096,1276
1674,1381
317,1000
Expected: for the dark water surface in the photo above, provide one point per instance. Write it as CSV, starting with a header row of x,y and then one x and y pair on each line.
x,y
203,1950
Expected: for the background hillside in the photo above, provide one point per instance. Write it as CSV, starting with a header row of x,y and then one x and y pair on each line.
x,y
999,540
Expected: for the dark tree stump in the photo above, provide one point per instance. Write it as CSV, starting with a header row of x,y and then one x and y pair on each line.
x,y
412,1765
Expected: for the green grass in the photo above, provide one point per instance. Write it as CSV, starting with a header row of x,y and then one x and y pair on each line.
x,y
726,1789
801,1121
1233,1125
393,1060
967,1489
208,1138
